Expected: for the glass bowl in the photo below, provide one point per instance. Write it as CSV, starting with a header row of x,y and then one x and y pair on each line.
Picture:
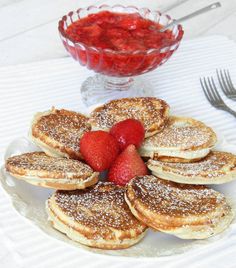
x,y
116,68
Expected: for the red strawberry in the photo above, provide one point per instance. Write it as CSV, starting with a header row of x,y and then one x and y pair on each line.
x,y
92,30
126,166
99,149
129,131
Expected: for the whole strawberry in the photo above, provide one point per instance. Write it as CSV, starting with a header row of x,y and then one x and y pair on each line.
x,y
99,149
129,131
126,166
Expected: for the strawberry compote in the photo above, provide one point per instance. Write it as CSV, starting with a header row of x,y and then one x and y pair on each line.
x,y
118,44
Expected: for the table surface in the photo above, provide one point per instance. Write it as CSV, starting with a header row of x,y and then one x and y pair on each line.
x,y
29,33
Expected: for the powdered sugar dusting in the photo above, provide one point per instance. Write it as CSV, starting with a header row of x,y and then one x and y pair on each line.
x,y
64,127
175,199
213,165
99,207
39,161
148,110
186,136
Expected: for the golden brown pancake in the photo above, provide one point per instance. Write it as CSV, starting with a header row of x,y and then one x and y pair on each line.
x,y
58,132
40,169
152,112
182,140
216,168
186,211
97,217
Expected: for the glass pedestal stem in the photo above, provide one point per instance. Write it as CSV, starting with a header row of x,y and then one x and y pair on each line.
x,y
101,88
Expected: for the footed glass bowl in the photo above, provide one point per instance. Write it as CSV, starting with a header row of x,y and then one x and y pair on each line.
x,y
116,68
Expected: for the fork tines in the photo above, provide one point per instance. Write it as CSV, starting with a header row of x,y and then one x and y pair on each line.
x,y
213,96
226,83
211,93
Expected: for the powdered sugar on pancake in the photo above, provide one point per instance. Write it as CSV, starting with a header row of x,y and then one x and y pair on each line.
x,y
41,164
169,198
100,206
215,164
62,126
152,112
179,133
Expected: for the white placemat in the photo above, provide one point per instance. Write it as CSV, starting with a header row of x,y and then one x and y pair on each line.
x,y
26,89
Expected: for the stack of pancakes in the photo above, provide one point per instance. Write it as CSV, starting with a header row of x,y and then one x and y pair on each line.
x,y
173,199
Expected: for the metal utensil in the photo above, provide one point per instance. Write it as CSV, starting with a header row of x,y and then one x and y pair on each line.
x,y
192,15
226,84
213,96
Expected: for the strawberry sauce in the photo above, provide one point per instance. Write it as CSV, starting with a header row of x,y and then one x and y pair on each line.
x,y
120,35
118,31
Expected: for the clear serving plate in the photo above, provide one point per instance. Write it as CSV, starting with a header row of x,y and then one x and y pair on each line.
x,y
29,201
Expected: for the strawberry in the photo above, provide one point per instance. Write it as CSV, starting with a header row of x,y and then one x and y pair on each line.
x,y
117,33
92,30
129,131
126,166
99,149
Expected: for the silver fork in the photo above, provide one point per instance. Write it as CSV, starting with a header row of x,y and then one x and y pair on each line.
x,y
226,84
213,96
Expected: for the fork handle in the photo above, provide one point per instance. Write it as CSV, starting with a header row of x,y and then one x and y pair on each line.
x,y
230,111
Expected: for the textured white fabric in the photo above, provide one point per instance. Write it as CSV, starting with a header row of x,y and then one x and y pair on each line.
x,y
26,89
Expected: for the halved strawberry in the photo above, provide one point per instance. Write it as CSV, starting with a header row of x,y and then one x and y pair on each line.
x,y
127,165
99,149
129,131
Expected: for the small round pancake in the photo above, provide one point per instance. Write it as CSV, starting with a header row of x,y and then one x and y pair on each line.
x,y
97,217
216,168
152,112
58,132
186,211
182,140
40,169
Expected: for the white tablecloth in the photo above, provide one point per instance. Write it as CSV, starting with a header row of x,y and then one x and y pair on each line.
x,y
26,89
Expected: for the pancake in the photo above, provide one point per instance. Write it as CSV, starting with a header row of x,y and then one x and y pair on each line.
x,y
216,168
182,140
58,132
97,217
152,112
186,211
59,173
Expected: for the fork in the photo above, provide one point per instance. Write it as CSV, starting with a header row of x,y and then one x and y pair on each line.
x,y
213,96
226,84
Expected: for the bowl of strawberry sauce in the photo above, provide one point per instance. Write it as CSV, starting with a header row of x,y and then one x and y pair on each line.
x,y
119,43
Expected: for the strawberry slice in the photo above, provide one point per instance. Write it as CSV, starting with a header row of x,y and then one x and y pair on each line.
x,y
129,131
99,149
127,165
92,31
